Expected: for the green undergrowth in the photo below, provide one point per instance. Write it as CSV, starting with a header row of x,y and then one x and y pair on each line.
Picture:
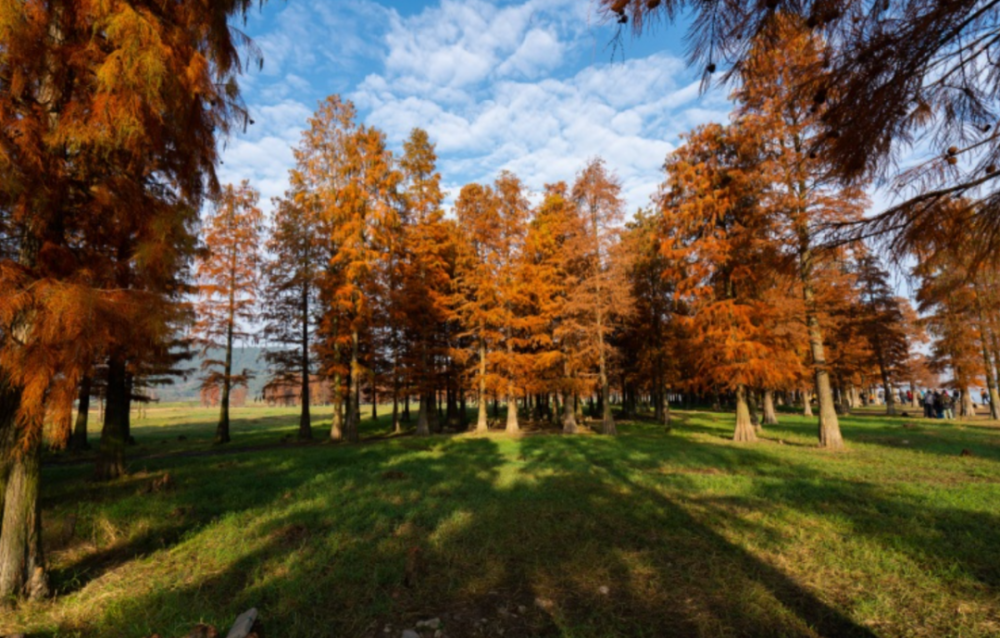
x,y
651,533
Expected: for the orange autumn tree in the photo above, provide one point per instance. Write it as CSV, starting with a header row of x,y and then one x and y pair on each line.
x,y
228,283
800,187
548,276
478,295
722,250
649,340
425,302
513,209
103,106
958,305
363,211
600,294
319,175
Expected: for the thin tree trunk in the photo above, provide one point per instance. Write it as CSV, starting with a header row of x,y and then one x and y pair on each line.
x,y
222,431
991,384
337,419
991,380
807,408
354,392
829,426
79,440
482,422
111,456
463,415
890,400
770,416
512,425
744,432
305,417
423,416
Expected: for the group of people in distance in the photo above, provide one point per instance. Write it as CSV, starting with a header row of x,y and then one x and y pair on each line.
x,y
938,404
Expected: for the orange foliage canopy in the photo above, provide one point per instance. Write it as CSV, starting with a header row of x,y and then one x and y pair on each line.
x,y
108,117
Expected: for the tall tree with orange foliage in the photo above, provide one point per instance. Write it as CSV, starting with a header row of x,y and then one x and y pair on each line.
x,y
126,122
800,186
650,335
548,276
894,73
513,209
362,212
426,280
319,175
228,285
477,210
601,291
722,248
959,307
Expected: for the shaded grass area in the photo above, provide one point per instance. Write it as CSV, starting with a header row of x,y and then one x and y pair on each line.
x,y
647,534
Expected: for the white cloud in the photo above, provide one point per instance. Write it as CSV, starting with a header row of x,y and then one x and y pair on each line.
x,y
497,86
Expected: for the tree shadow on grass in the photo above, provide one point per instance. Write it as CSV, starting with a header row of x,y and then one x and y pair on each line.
x,y
537,536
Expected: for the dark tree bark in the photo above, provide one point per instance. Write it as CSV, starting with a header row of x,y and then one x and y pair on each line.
x,y
79,438
114,434
305,418
22,565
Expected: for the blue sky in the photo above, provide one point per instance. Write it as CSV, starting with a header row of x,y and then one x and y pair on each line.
x,y
531,86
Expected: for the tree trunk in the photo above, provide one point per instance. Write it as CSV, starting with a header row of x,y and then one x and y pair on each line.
x,y
305,418
423,418
222,431
79,439
744,426
463,410
770,416
397,427
807,408
666,410
406,408
482,423
890,401
751,399
829,426
967,408
353,393
22,571
569,417
111,455
337,419
22,564
991,385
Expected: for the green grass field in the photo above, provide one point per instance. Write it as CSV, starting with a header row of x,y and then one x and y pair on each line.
x,y
647,534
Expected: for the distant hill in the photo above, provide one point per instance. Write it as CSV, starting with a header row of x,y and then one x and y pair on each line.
x,y
188,389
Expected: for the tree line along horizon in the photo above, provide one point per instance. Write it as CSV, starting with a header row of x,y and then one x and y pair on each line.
x,y
718,288
749,277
